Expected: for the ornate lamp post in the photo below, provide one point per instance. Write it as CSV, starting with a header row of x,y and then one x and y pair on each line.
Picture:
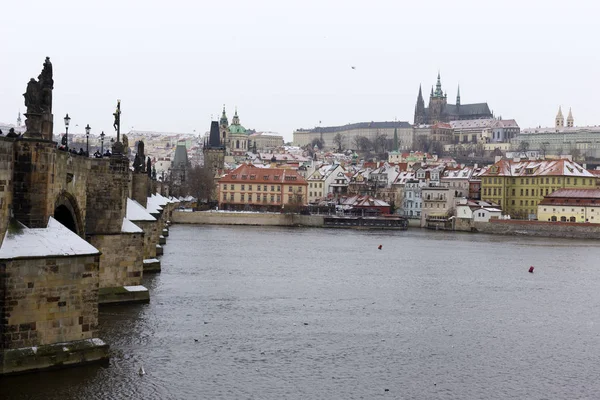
x,y
102,142
67,120
87,139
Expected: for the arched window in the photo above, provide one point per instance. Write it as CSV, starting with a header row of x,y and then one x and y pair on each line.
x,y
572,219
553,218
563,219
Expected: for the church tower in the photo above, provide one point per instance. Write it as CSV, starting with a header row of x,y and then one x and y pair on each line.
x,y
437,103
458,97
224,128
559,121
570,121
420,109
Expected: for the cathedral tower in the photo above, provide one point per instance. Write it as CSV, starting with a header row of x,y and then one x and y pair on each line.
x,y
437,103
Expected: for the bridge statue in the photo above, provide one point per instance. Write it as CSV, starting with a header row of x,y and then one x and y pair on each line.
x,y
38,100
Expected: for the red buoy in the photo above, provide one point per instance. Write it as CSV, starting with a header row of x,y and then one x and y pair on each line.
x,y
531,269
379,247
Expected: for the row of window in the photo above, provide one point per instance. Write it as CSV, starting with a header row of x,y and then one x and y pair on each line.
x,y
243,187
310,184
272,198
539,181
437,204
523,192
525,202
573,210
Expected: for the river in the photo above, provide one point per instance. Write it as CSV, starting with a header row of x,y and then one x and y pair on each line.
x,y
294,313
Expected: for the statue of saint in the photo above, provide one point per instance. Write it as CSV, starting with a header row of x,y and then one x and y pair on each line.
x,y
149,167
46,83
138,163
33,97
140,151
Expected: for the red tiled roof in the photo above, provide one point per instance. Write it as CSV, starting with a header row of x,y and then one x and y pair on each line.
x,y
250,173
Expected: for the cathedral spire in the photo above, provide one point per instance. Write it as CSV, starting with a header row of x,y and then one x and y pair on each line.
x,y
420,96
458,96
438,87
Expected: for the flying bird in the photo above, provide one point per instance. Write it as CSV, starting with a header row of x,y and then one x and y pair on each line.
x,y
353,67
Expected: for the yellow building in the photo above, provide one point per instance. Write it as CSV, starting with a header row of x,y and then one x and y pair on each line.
x,y
571,205
519,186
265,189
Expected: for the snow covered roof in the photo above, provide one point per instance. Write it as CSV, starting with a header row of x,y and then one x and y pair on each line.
x,y
136,212
152,205
54,240
130,227
562,167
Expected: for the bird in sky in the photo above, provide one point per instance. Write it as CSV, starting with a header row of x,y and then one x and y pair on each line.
x,y
353,67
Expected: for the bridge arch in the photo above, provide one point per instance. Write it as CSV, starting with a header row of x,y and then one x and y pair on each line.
x,y
67,212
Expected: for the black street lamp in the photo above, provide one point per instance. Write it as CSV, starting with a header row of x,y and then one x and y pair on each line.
x,y
67,120
87,139
102,143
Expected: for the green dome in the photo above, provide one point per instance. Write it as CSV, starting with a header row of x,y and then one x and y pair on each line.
x,y
236,129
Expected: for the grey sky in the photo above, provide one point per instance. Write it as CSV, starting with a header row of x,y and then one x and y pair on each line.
x,y
287,64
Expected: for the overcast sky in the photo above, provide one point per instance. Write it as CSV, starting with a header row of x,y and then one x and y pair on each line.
x,y
287,64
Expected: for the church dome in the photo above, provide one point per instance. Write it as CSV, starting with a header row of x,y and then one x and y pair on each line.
x,y
237,128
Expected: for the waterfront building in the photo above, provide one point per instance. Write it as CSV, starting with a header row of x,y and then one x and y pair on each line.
x,y
351,133
519,186
440,111
263,189
458,179
325,180
469,211
571,205
438,207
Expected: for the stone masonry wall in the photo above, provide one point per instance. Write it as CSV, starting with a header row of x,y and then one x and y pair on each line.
x,y
6,179
48,300
223,218
107,195
151,234
540,228
139,188
43,176
121,262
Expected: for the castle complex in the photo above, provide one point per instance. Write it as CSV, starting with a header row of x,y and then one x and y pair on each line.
x,y
439,110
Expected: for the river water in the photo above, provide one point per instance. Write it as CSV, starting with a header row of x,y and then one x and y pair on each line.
x,y
283,313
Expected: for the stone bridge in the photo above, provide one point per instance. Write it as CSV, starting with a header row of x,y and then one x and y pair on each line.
x,y
75,232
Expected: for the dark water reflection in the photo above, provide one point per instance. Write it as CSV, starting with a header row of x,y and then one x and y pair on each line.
x,y
322,314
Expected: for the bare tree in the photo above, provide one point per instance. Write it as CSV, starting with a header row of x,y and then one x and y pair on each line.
x,y
524,146
380,142
544,148
365,144
200,183
338,140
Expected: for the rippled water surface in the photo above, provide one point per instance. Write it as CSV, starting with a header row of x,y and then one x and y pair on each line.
x,y
276,313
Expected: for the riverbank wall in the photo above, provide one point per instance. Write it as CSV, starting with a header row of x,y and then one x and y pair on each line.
x,y
255,219
571,230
